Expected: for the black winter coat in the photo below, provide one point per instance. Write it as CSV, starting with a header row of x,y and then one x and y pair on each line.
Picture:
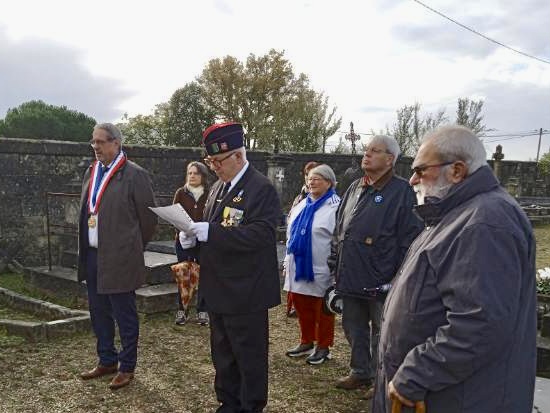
x,y
369,246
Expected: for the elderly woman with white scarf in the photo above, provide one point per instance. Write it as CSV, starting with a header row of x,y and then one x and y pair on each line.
x,y
307,275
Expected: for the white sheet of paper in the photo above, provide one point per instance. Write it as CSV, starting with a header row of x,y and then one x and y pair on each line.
x,y
175,215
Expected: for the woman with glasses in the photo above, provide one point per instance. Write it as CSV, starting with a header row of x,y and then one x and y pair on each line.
x,y
192,197
307,275
290,310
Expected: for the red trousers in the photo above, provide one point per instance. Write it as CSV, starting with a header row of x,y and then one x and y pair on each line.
x,y
315,325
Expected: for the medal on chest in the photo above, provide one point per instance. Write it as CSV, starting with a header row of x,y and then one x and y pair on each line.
x,y
92,221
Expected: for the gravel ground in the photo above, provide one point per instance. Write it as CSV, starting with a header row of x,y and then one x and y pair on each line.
x,y
174,374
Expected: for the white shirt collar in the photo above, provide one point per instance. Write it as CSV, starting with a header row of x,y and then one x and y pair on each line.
x,y
239,176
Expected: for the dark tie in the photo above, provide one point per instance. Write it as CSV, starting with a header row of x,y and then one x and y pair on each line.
x,y
225,190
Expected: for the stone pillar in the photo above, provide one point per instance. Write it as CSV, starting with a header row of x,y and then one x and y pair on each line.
x,y
513,187
277,165
498,156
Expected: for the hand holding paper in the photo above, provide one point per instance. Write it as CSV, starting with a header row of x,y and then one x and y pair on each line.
x,y
200,230
186,241
175,215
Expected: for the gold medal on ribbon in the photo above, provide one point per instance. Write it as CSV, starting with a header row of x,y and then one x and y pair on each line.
x,y
92,222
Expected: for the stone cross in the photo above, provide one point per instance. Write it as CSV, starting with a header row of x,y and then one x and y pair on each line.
x,y
498,156
280,175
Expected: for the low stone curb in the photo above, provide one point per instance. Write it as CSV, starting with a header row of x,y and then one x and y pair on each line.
x,y
67,321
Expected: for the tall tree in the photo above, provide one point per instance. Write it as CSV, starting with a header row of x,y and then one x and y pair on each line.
x,y
146,129
278,109
187,116
468,114
411,126
38,120
406,129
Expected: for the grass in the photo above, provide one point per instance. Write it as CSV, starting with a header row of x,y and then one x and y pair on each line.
x,y
542,235
175,372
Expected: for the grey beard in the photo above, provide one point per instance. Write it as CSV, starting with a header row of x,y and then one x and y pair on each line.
x,y
437,190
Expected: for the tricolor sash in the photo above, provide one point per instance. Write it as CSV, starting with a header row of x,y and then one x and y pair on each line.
x,y
95,190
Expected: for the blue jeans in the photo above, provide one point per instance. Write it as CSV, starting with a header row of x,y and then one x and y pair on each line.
x,y
104,310
361,324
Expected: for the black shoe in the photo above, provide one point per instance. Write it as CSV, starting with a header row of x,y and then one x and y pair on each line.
x,y
202,318
319,356
300,350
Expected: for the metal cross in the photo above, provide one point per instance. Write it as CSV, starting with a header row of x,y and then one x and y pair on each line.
x,y
352,137
280,175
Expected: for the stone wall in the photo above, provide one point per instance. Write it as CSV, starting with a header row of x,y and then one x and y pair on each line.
x,y
30,168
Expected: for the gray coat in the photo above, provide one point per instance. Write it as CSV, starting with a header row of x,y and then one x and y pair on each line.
x,y
459,325
125,225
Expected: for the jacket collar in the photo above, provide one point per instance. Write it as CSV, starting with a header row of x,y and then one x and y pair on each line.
x,y
482,180
380,182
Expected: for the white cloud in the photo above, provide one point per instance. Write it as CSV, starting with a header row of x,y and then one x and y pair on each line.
x,y
364,55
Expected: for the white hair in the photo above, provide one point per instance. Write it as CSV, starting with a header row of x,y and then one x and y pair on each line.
x,y
242,151
326,172
390,143
112,130
458,143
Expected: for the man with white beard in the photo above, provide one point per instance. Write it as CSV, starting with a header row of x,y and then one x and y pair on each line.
x,y
459,325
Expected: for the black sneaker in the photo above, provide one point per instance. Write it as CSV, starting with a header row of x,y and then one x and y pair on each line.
x,y
181,318
202,318
300,350
319,356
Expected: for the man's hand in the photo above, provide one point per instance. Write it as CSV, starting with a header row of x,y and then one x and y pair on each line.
x,y
186,241
200,230
393,394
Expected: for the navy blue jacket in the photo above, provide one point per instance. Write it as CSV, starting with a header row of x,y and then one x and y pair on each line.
x,y
239,267
374,227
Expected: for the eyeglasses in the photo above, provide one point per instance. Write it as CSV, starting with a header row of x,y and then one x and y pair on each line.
x,y
376,150
95,142
315,179
419,170
210,162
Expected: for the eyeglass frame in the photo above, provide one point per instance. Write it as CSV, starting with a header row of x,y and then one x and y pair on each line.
x,y
95,142
217,162
376,151
419,170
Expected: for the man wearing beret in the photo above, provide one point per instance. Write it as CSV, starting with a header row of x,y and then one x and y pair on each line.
x,y
239,269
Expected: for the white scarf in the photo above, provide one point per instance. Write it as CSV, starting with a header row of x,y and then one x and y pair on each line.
x,y
196,191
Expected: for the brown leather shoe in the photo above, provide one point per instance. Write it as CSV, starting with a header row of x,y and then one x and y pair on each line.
x,y
120,380
352,383
98,371
369,393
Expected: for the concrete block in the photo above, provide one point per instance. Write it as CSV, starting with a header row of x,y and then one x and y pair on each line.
x,y
157,298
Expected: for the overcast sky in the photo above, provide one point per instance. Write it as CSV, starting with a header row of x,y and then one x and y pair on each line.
x,y
370,57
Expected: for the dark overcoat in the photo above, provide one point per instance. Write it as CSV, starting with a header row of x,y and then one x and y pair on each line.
x,y
239,268
125,226
459,325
